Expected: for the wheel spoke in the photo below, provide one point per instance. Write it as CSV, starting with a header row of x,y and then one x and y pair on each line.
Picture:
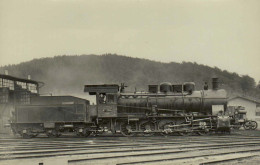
x,y
126,129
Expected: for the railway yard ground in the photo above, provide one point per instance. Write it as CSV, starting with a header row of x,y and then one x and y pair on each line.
x,y
240,147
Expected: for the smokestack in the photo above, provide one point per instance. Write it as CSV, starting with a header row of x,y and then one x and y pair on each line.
x,y
215,83
29,77
6,72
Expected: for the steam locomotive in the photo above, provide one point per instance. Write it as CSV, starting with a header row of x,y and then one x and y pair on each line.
x,y
164,109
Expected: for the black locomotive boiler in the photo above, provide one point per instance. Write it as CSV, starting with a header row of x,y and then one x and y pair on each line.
x,y
164,109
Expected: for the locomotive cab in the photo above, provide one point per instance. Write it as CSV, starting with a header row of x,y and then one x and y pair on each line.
x,y
106,97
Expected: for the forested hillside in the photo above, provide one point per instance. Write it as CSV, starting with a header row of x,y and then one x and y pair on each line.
x,y
68,74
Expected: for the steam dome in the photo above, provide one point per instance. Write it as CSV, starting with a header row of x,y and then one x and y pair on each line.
x,y
166,87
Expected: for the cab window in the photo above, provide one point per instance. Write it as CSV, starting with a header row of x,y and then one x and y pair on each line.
x,y
110,98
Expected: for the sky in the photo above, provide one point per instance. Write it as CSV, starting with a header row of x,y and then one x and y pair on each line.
x,y
221,33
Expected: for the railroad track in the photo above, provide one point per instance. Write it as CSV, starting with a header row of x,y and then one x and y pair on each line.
x,y
131,150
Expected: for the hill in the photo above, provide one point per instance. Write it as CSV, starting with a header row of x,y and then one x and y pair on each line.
x,y
68,74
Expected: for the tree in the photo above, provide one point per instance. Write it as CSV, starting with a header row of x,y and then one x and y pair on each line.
x,y
247,83
258,85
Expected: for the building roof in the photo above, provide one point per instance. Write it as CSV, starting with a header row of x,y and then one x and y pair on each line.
x,y
17,79
245,98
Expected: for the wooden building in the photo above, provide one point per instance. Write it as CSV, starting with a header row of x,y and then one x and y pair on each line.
x,y
14,91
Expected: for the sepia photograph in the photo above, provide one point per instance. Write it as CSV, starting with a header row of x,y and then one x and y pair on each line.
x,y
120,82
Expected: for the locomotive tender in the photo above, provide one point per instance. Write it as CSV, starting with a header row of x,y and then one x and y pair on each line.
x,y
52,115
164,109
